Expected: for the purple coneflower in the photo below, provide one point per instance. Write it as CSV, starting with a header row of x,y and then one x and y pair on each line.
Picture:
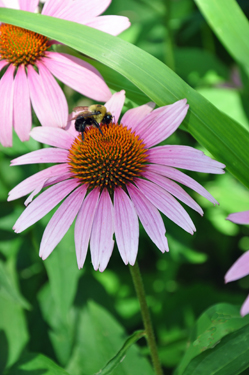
x,y
23,52
241,267
109,181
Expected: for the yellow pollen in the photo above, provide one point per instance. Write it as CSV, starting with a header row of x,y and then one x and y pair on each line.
x,y
109,160
20,46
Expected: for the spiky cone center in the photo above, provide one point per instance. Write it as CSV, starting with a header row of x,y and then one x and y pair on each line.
x,y
110,160
20,46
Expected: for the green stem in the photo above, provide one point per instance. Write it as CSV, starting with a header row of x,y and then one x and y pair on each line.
x,y
139,287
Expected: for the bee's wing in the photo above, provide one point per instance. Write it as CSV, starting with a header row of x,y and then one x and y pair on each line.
x,y
80,108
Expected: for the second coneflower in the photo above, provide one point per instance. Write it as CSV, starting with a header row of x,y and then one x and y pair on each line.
x,y
111,180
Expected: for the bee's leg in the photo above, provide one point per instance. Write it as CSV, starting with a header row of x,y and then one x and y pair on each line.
x,y
82,135
97,126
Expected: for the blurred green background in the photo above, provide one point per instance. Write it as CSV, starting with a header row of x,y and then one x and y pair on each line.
x,y
46,306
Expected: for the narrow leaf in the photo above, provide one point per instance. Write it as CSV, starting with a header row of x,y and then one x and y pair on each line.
x,y
115,361
230,25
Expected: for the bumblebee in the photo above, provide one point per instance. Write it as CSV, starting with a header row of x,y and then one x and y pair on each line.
x,y
95,115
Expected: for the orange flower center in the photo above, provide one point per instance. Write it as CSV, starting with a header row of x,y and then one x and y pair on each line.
x,y
109,160
20,46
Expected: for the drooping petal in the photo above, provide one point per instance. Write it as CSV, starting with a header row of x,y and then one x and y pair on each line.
x,y
29,184
245,307
78,74
53,137
239,217
51,7
134,116
28,5
61,221
165,124
83,225
149,217
11,4
125,226
101,242
6,106
55,104
181,177
22,106
113,25
184,157
44,203
115,104
166,204
239,269
3,63
77,12
45,155
173,189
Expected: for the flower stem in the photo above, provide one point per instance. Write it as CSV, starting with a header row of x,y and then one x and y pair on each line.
x,y
139,287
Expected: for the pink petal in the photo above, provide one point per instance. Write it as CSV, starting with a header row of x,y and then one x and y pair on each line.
x,y
101,243
22,106
45,155
184,157
165,124
239,217
245,307
166,204
27,186
52,6
134,116
11,4
34,193
239,269
115,104
53,137
173,189
149,217
28,5
179,176
113,25
78,11
126,227
78,74
44,203
61,221
83,225
148,120
3,63
48,98
6,106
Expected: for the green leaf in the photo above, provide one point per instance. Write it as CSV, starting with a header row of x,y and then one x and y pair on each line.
x,y
229,357
63,273
36,364
99,338
230,25
220,134
14,332
215,323
118,358
8,289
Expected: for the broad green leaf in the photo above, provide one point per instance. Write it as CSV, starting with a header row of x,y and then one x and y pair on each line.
x,y
229,357
8,289
118,358
215,323
36,364
221,135
14,332
99,338
61,330
63,273
230,25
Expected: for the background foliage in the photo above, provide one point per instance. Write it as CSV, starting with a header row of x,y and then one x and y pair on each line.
x,y
76,321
